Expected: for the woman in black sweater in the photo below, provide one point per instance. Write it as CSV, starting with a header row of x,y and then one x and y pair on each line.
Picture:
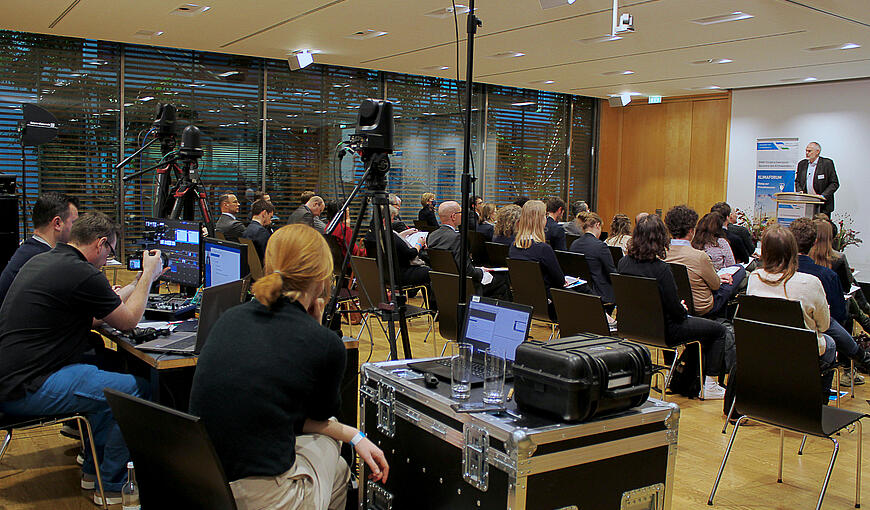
x,y
647,248
530,243
267,385
597,255
427,212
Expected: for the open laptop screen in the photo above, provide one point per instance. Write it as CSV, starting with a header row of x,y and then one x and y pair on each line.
x,y
500,325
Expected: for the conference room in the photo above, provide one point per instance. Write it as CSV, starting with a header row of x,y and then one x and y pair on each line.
x,y
505,141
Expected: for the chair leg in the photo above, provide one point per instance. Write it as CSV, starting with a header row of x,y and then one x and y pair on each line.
x,y
781,444
725,459
362,326
858,472
852,377
444,349
701,369
671,371
82,419
837,373
6,441
830,470
803,442
730,412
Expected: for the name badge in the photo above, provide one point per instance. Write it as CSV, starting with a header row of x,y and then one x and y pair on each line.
x,y
821,176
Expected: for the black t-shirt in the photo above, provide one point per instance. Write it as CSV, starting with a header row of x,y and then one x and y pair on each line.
x,y
259,376
46,317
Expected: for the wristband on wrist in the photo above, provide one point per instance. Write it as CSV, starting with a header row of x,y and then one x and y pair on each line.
x,y
357,438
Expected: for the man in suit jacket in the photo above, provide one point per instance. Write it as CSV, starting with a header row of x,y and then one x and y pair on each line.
x,y
446,237
306,212
820,171
258,230
554,232
227,224
53,215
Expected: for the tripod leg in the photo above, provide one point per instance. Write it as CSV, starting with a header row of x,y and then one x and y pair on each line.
x,y
162,193
206,215
379,226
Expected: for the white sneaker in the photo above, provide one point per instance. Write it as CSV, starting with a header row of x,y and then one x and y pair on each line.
x,y
712,391
112,498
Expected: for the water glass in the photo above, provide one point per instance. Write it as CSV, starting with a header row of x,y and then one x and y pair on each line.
x,y
460,371
493,377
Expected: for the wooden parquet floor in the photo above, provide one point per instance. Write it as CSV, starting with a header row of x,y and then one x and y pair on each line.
x,y
39,470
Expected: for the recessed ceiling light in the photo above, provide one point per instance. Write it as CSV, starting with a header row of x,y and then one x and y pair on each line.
x,y
147,34
523,103
542,82
626,94
788,80
614,73
549,4
190,10
366,34
811,78
600,39
507,54
435,68
713,61
846,46
708,87
447,12
724,18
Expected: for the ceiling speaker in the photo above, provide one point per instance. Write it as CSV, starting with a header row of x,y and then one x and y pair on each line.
x,y
299,60
619,100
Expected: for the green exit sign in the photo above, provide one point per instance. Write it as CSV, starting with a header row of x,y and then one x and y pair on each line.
x,y
655,99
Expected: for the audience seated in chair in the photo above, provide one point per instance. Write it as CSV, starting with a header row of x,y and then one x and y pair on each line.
x,y
259,229
710,291
597,255
709,237
824,255
554,231
309,213
620,232
778,277
427,212
227,223
506,221
268,382
487,223
530,244
571,226
738,237
646,250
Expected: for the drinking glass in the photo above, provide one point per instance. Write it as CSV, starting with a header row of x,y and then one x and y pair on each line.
x,y
460,371
493,377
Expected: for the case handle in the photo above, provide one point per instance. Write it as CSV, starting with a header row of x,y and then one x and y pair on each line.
x,y
629,391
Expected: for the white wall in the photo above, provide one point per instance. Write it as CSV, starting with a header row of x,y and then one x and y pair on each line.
x,y
837,115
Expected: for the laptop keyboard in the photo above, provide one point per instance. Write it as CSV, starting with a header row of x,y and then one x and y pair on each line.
x,y
477,369
181,344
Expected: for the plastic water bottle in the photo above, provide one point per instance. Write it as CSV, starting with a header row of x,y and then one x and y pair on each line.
x,y
130,491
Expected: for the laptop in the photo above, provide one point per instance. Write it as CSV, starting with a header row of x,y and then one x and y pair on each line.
x,y
215,301
489,323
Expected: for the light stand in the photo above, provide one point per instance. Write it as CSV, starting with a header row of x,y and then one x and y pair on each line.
x,y
465,186
373,140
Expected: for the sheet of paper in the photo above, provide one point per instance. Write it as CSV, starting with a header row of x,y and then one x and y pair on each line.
x,y
415,238
727,270
571,281
487,278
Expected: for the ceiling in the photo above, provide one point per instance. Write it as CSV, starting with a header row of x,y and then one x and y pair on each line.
x,y
771,48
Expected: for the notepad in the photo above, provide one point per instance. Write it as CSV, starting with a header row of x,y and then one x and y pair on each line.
x,y
571,281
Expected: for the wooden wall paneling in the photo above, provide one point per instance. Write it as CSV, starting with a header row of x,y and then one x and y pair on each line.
x,y
609,161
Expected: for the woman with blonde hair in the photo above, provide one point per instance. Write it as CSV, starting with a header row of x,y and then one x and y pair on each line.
x,y
778,277
620,232
530,243
267,386
486,226
506,220
427,212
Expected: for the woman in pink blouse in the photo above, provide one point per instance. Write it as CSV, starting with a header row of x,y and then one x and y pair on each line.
x,y
708,237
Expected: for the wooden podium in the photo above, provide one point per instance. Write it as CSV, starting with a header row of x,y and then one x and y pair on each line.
x,y
791,205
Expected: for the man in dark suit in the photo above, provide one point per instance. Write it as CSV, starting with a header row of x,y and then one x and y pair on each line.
x,y
53,215
820,171
738,237
258,230
446,237
306,213
554,232
227,224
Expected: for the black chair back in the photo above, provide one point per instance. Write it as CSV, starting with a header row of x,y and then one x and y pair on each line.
x,y
527,285
336,252
446,289
370,291
442,261
640,314
255,265
574,264
477,247
772,310
603,236
684,286
579,313
778,374
616,253
423,226
570,238
176,464
497,254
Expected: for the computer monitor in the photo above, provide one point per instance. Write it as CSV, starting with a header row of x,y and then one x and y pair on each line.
x,y
223,261
180,241
500,325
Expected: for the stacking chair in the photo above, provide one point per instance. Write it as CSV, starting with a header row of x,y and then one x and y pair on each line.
x,y
570,238
423,226
255,266
347,297
785,394
579,313
617,253
371,251
371,293
477,248
497,254
641,319
527,285
443,261
574,264
445,286
11,423
684,286
176,464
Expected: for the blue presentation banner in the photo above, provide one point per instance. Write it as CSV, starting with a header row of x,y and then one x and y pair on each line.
x,y
768,182
775,165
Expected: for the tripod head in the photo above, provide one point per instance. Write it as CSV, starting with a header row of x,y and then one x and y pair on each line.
x,y
373,140
164,126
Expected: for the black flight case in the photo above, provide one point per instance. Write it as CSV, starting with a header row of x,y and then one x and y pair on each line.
x,y
441,459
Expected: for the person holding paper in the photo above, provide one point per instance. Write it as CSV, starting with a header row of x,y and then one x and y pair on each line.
x,y
710,291
530,243
821,173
